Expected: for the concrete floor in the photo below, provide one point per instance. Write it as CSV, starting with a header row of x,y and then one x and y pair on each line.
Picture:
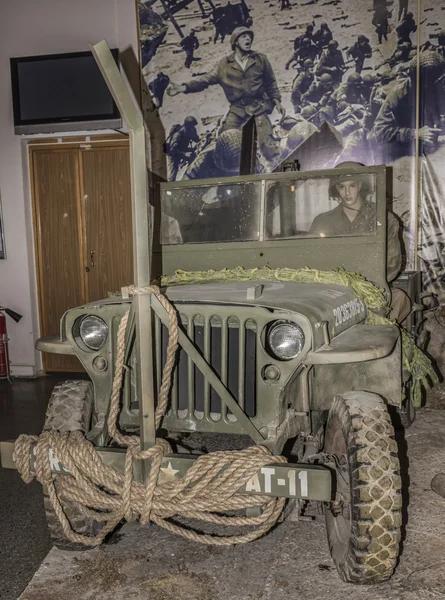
x,y
291,562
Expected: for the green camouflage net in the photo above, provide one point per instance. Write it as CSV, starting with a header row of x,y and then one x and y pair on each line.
x,y
419,365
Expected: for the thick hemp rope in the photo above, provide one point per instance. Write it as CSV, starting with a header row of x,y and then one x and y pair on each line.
x,y
103,494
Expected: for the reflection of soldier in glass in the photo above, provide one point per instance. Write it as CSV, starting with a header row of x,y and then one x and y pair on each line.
x,y
249,83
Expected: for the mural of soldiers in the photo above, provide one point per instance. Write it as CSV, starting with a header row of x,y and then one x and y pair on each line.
x,y
359,52
306,50
322,37
401,54
380,21
189,44
180,145
369,81
248,82
302,83
403,7
351,90
307,34
157,88
318,90
441,42
395,124
406,28
331,62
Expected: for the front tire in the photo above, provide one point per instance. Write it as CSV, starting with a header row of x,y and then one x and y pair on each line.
x,y
69,409
363,524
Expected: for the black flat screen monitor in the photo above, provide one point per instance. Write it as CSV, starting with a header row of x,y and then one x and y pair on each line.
x,y
61,92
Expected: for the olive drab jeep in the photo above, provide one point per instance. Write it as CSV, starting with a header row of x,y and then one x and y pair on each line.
x,y
263,353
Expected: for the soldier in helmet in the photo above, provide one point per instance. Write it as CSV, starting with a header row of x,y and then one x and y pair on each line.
x,y
359,52
406,28
395,125
307,34
355,215
305,50
368,83
351,90
322,37
189,44
302,83
331,62
180,146
248,82
320,88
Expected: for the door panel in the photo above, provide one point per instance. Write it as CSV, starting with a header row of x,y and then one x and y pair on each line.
x,y
107,213
56,210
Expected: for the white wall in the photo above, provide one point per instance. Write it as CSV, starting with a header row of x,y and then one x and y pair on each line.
x,y
29,27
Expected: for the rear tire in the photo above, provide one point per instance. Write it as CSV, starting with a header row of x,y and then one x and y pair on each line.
x,y
69,409
363,525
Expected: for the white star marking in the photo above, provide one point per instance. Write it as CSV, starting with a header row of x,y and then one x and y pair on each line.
x,y
169,471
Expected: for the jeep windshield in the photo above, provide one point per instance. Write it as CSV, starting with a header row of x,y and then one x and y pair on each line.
x,y
265,208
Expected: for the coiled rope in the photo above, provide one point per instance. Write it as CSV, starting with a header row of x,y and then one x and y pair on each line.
x,y
101,493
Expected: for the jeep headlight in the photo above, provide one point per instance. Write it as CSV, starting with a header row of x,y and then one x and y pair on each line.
x,y
285,340
93,332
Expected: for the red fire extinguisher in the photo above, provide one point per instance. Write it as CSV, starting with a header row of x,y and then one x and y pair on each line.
x,y
4,357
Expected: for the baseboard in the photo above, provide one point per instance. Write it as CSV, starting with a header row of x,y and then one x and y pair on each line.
x,y
22,371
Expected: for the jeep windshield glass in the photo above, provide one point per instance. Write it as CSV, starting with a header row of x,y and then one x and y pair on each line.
x,y
211,213
269,209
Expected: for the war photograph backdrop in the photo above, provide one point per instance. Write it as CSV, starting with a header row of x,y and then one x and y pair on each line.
x,y
326,81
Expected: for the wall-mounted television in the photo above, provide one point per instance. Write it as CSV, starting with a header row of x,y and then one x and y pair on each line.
x,y
61,92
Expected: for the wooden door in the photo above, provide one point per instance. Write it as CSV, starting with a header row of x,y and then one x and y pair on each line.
x,y
58,243
107,213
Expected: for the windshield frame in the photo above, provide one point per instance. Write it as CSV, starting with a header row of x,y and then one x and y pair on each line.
x,y
294,252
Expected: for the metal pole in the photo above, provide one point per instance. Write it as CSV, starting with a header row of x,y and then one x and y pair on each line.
x,y
141,242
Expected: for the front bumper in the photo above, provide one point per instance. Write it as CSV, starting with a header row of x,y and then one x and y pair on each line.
x,y
299,480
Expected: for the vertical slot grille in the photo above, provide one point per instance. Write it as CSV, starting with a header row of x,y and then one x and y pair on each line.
x,y
229,345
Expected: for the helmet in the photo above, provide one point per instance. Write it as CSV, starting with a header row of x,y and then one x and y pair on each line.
x,y
308,112
369,79
305,41
227,154
333,44
441,34
429,60
366,187
326,79
363,38
354,79
237,33
308,63
190,121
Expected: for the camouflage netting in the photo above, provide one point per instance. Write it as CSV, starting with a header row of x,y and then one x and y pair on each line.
x,y
419,365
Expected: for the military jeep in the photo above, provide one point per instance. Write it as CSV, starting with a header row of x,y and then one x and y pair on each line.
x,y
261,357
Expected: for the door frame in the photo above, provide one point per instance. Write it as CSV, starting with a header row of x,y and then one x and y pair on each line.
x,y
34,146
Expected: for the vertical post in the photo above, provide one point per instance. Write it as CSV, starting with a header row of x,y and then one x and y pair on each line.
x,y
141,242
